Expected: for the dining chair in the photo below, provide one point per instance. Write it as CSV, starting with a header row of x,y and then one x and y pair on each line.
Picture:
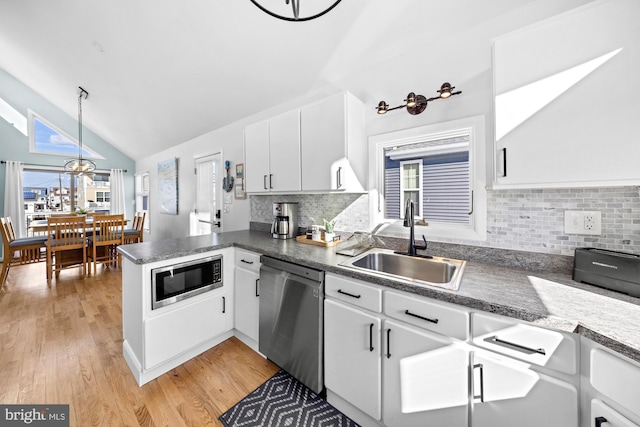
x,y
29,248
107,235
62,214
134,234
66,244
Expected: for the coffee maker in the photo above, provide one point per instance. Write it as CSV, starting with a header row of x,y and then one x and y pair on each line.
x,y
285,222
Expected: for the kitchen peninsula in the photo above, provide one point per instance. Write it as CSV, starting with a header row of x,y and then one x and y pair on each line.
x,y
550,300
573,333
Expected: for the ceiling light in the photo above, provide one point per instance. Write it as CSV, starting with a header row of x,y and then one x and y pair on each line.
x,y
416,104
278,8
80,166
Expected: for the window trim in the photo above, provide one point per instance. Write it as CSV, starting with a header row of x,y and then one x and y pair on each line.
x,y
32,116
476,230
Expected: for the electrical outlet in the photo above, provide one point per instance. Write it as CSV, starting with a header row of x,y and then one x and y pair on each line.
x,y
583,222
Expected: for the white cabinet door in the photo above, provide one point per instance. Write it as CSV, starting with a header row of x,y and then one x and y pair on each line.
x,y
180,329
284,152
333,144
555,134
352,356
425,378
323,143
246,313
256,157
507,393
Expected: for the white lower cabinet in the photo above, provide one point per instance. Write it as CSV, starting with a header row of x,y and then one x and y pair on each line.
x,y
165,335
352,356
610,385
247,294
402,368
507,393
425,378
604,416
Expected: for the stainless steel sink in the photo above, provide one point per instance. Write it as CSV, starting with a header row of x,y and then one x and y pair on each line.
x,y
435,271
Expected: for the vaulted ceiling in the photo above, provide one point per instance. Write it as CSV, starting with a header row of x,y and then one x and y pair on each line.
x,y
162,72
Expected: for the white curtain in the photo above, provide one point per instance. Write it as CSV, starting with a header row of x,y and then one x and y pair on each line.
x,y
13,198
117,192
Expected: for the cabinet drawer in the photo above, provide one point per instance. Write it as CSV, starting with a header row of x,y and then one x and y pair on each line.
x,y
616,378
248,260
428,314
614,419
543,347
354,292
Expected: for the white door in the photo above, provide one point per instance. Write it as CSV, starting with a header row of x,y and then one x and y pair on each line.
x,y
207,217
425,378
507,393
352,356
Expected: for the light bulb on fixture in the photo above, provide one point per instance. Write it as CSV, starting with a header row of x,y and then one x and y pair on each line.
x,y
411,100
382,107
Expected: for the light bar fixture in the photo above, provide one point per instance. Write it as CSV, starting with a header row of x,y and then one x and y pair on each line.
x,y
416,104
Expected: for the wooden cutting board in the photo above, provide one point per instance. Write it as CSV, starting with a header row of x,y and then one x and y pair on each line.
x,y
303,239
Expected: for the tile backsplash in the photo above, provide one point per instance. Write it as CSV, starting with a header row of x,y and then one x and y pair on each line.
x,y
525,220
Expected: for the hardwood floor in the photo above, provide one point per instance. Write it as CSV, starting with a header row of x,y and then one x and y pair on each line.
x,y
64,345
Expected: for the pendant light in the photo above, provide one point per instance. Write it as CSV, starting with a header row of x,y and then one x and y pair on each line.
x,y
80,166
279,8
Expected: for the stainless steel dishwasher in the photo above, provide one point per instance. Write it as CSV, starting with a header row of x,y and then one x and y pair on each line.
x,y
291,319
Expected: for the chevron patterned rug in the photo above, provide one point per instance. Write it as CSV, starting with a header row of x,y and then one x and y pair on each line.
x,y
283,401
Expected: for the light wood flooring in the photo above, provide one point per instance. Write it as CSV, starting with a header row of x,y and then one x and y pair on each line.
x,y
63,344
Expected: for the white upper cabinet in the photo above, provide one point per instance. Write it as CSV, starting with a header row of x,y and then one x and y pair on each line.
x,y
566,102
272,154
333,144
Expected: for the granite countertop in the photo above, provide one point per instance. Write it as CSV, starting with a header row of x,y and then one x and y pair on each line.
x,y
547,299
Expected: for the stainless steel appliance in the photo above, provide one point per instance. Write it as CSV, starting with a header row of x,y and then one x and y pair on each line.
x,y
291,319
285,222
177,282
608,269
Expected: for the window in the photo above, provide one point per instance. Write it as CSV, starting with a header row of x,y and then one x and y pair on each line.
x,y
142,196
46,138
103,196
442,169
46,191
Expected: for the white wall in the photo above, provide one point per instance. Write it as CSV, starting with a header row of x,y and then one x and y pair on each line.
x,y
416,64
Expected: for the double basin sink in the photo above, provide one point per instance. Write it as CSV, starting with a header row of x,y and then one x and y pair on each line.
x,y
418,270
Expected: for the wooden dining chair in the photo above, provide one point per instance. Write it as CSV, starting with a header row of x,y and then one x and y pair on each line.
x,y
134,234
66,245
29,249
107,235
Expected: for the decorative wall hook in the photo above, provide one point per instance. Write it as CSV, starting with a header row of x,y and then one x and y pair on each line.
x,y
227,182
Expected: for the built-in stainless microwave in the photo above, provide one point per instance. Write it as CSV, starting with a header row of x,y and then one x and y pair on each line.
x,y
177,282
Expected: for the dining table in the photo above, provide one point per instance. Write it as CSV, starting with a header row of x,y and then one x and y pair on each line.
x,y
39,226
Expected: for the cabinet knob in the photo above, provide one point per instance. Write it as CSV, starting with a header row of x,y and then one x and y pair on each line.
x,y
600,421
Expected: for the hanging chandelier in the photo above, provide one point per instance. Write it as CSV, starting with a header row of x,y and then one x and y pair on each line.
x,y
416,104
80,166
279,8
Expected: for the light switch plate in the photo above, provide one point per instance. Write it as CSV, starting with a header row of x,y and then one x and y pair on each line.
x,y
583,222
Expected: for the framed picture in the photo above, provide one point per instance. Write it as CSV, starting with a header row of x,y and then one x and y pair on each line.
x,y
240,170
168,186
240,193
